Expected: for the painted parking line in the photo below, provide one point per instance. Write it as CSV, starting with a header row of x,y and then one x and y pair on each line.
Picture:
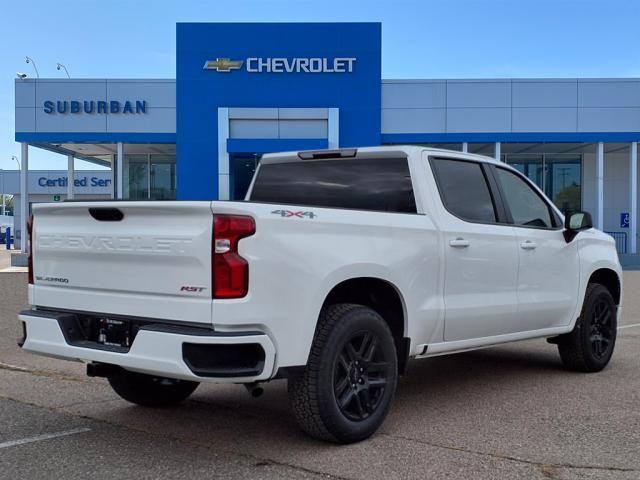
x,y
621,327
8,366
45,436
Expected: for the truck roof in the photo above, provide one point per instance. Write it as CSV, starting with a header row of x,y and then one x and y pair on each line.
x,y
368,152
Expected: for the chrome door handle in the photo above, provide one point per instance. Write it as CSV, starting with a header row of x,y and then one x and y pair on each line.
x,y
459,242
528,245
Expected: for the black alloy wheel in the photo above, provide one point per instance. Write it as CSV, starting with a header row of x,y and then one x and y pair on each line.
x,y
600,333
589,347
360,376
345,391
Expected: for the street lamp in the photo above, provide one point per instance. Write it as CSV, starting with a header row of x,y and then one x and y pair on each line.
x,y
17,161
30,60
3,208
61,65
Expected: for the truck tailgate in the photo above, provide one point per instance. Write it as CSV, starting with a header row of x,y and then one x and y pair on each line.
x,y
153,262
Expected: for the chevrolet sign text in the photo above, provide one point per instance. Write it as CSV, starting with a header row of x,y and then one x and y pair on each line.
x,y
284,65
297,65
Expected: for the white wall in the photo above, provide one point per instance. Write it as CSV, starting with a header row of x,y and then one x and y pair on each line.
x,y
10,181
616,188
278,122
511,105
160,97
6,221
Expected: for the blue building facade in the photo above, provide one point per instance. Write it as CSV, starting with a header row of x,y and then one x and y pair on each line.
x,y
283,66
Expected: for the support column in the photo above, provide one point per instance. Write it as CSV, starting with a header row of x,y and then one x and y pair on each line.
x,y
465,147
113,176
333,127
119,171
633,198
600,186
24,195
71,176
497,152
224,159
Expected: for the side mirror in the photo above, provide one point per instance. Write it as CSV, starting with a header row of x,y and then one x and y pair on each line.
x,y
576,222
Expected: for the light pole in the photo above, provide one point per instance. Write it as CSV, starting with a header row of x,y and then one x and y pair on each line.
x,y
30,60
17,161
3,207
61,66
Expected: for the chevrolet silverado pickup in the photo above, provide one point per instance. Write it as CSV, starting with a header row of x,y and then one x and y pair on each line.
x,y
339,267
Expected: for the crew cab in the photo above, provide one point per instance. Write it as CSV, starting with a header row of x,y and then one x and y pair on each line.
x,y
339,267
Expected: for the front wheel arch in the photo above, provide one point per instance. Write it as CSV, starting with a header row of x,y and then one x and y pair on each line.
x,y
608,279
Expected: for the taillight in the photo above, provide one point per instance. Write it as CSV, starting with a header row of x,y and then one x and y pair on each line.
x,y
230,270
30,240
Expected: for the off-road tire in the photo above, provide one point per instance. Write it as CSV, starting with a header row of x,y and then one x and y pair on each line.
x,y
314,393
150,391
588,348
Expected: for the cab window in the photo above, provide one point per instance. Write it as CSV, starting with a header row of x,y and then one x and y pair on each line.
x,y
527,207
464,190
376,184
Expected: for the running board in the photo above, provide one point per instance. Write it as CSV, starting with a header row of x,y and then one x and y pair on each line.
x,y
459,346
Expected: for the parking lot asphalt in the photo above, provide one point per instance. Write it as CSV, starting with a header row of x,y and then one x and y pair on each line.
x,y
5,258
505,412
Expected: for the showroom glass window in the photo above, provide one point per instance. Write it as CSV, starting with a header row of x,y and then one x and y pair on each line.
x,y
149,176
558,175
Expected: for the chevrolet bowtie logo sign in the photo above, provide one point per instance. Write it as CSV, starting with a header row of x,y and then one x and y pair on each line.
x,y
223,64
284,65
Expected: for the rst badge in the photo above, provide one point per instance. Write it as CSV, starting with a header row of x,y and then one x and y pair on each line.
x,y
190,289
289,214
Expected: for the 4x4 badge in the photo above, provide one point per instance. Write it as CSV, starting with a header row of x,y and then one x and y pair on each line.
x,y
289,213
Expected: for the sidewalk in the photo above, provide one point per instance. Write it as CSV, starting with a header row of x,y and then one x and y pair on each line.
x,y
5,262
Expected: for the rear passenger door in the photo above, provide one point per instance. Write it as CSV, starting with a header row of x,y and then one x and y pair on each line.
x,y
549,270
480,252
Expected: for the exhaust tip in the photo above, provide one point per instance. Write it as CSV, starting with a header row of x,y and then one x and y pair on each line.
x,y
254,389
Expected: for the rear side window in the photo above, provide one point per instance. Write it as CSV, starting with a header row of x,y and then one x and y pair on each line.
x,y
381,184
464,190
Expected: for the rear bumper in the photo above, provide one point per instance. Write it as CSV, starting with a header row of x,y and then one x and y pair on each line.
x,y
159,349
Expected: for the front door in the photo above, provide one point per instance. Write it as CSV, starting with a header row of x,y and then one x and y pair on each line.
x,y
548,278
480,251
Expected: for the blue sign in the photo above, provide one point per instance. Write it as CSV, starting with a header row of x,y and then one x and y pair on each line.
x,y
624,220
94,106
269,65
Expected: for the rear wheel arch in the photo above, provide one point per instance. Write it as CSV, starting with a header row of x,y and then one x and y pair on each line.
x,y
383,297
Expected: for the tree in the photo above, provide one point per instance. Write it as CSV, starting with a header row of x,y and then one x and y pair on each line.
x,y
8,202
568,199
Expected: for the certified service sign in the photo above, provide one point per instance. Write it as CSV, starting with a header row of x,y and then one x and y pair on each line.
x,y
284,65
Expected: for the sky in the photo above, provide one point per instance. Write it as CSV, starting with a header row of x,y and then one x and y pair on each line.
x,y
420,39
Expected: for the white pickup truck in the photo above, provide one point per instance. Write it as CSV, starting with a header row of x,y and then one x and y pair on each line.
x,y
337,268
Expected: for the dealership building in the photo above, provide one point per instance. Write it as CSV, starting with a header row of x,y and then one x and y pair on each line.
x,y
245,89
